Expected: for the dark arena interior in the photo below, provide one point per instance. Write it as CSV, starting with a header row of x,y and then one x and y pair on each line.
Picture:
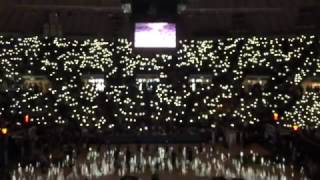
x,y
159,90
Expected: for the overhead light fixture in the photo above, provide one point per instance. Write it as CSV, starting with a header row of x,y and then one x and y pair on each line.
x,y
126,6
181,6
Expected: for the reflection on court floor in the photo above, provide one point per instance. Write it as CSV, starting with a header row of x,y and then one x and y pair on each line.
x,y
169,162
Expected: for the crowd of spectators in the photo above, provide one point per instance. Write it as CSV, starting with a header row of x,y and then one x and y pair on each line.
x,y
201,85
91,89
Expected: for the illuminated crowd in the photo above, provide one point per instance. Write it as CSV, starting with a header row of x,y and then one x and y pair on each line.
x,y
109,84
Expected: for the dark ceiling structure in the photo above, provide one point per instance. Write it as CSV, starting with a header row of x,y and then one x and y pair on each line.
x,y
196,18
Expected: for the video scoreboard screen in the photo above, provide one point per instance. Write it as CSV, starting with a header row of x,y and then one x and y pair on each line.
x,y
155,35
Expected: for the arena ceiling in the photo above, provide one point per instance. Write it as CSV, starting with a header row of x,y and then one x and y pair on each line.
x,y
201,18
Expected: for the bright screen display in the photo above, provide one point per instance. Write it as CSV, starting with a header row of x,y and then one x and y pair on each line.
x,y
155,35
